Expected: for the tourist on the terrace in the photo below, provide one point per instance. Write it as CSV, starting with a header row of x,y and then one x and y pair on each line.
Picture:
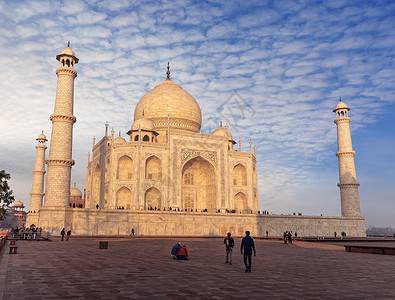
x,y
248,244
285,237
182,253
230,243
62,233
174,250
335,234
68,235
289,237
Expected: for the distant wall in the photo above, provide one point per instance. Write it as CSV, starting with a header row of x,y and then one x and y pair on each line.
x,y
171,223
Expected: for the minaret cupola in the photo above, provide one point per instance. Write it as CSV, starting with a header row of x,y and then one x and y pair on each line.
x,y
67,57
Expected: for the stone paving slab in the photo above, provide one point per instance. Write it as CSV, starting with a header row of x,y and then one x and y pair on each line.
x,y
138,268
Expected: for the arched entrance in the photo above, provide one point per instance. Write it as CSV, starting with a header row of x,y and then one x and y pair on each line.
x,y
124,198
96,186
198,185
153,198
241,202
239,175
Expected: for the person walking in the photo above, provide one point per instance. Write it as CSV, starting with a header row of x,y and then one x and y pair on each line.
x,y
62,233
247,243
230,243
68,235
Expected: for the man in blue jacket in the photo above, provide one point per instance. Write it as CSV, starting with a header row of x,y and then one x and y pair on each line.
x,y
248,243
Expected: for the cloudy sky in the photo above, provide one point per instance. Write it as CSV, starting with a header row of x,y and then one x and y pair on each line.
x,y
288,62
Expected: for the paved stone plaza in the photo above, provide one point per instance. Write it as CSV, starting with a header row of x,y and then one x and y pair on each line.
x,y
134,268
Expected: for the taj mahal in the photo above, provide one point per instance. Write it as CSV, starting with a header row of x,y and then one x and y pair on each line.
x,y
166,178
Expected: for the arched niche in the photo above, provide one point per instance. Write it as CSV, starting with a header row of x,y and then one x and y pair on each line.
x,y
125,168
124,197
240,202
153,168
96,185
239,175
198,185
153,198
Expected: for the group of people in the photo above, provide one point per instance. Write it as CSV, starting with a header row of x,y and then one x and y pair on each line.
x,y
247,247
63,233
22,233
179,252
287,237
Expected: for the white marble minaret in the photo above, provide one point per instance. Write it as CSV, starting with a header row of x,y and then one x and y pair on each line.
x,y
57,189
36,196
347,176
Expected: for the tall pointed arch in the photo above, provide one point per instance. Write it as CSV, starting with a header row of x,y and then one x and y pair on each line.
x,y
153,168
198,185
240,202
153,198
124,198
125,168
96,185
239,175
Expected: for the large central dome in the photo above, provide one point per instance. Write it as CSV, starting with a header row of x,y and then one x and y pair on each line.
x,y
168,101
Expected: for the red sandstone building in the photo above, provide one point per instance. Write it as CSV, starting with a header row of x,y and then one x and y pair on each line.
x,y
76,199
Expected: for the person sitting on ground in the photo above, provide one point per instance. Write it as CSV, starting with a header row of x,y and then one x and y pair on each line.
x,y
174,250
182,253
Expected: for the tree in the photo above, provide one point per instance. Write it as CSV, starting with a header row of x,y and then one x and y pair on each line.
x,y
6,197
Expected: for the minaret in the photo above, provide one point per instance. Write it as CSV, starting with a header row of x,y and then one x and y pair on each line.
x,y
347,176
36,196
59,162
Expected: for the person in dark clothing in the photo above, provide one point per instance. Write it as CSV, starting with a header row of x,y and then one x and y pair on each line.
x,y
285,237
289,236
62,233
248,244
68,235
230,243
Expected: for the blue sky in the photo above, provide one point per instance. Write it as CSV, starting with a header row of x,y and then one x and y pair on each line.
x,y
288,60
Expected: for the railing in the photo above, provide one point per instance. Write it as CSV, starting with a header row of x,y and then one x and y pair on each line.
x,y
30,235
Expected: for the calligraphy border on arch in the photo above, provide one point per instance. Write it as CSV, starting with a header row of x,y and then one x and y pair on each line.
x,y
186,154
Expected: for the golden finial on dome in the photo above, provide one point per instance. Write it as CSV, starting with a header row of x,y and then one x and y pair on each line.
x,y
168,70
68,44
340,99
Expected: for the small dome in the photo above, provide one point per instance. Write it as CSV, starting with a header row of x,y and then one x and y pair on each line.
x,y
221,131
67,51
75,192
143,124
19,203
341,105
119,140
42,137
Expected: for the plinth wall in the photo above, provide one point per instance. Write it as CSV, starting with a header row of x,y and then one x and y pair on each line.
x,y
93,222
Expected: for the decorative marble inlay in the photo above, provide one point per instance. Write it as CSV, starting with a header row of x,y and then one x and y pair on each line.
x,y
187,154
